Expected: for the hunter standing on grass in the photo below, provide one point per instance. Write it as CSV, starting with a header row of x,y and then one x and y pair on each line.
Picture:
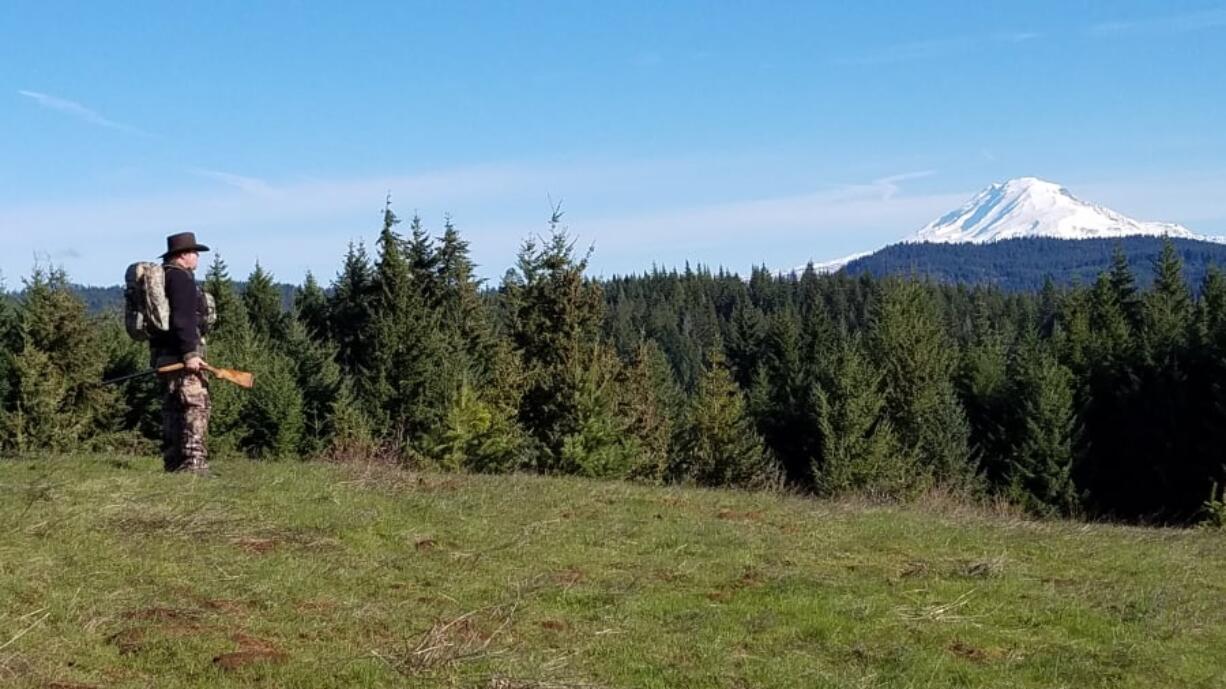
x,y
185,406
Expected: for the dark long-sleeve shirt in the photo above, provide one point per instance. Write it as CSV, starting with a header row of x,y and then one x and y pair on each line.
x,y
183,338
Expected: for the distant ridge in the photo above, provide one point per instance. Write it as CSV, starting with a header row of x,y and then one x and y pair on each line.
x,y
1024,264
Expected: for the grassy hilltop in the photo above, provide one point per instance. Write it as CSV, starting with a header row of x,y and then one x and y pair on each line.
x,y
287,575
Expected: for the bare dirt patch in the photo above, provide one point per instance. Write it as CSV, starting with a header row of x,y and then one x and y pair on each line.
x,y
268,540
61,684
251,651
240,659
973,653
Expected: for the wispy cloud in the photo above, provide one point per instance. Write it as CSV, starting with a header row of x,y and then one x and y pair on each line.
x,y
251,185
935,48
889,186
1169,24
79,111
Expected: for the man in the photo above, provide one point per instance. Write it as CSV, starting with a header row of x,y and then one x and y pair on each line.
x,y
185,406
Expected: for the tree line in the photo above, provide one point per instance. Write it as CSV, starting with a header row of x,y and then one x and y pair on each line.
x,y
1096,401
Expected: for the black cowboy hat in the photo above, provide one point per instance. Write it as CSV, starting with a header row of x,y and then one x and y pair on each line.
x,y
184,241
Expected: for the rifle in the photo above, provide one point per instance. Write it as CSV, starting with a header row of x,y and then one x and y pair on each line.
x,y
240,378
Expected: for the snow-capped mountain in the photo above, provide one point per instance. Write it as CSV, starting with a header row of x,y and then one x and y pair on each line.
x,y
1031,207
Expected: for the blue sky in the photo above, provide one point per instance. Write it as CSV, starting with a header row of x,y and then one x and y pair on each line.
x,y
729,133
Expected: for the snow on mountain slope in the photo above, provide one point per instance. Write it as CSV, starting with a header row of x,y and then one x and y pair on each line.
x,y
1028,207
1031,207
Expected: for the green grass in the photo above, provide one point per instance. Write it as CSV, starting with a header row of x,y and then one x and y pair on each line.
x,y
113,574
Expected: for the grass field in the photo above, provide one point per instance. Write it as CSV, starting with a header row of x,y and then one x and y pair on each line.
x,y
113,574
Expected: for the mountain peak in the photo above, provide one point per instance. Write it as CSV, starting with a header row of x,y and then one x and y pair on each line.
x,y
1029,207
1033,207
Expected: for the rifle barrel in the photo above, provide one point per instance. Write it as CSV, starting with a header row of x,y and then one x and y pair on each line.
x,y
129,376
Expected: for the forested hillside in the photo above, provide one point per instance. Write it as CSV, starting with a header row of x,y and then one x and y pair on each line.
x,y
1099,400
1025,264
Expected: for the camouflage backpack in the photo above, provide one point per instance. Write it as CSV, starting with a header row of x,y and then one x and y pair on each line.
x,y
146,310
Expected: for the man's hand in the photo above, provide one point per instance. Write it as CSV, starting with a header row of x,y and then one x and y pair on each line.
x,y
194,364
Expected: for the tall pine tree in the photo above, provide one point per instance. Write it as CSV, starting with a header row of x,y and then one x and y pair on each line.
x,y
908,341
717,443
1047,440
860,452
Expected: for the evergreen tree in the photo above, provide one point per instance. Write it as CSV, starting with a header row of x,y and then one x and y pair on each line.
x,y
553,320
273,421
1211,310
603,442
1167,308
745,343
465,318
1170,401
784,416
320,384
350,311
263,302
917,357
717,444
1124,288
55,399
1111,336
1050,300
424,263
1047,441
311,308
408,383
478,435
231,312
860,452
983,384
651,402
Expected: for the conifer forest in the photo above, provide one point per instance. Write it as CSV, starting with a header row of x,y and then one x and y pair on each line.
x,y
1094,401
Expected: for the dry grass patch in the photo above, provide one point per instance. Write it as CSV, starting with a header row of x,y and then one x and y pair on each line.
x,y
448,643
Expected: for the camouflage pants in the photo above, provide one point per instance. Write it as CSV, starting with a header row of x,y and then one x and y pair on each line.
x,y
185,422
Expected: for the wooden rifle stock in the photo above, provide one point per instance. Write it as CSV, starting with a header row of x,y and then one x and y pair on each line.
x,y
240,378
